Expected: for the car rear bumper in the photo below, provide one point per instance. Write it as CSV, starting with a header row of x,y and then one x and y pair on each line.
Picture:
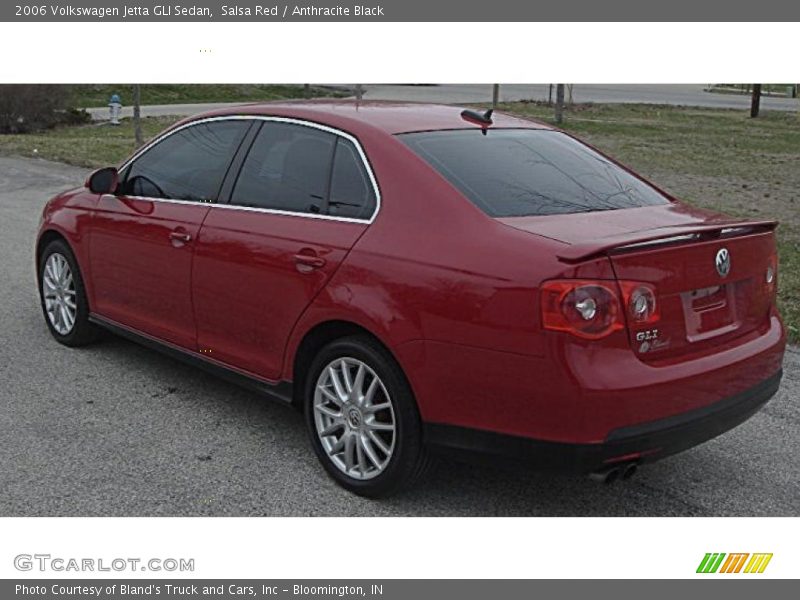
x,y
644,442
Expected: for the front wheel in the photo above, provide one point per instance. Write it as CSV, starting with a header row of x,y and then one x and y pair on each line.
x,y
362,418
63,296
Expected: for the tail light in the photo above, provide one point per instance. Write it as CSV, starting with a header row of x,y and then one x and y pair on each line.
x,y
771,276
640,300
594,309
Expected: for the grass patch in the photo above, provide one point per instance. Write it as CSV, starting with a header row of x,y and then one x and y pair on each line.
x,y
95,145
716,159
90,95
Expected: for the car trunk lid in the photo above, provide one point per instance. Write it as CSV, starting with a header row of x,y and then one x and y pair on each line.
x,y
709,272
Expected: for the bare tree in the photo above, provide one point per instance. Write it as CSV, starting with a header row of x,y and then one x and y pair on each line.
x,y
755,101
137,114
559,103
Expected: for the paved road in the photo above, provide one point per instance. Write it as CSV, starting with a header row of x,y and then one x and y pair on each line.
x,y
116,429
679,95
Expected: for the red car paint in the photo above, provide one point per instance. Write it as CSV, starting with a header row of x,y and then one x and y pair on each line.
x,y
450,291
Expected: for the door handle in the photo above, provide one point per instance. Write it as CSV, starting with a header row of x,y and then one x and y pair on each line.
x,y
306,262
180,236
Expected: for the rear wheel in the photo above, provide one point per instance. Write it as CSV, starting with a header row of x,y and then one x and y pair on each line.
x,y
362,418
63,296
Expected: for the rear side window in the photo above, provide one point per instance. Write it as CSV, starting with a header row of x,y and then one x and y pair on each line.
x,y
352,194
186,165
288,168
523,172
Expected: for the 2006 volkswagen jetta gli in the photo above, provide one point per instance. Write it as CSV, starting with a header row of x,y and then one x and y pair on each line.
x,y
418,277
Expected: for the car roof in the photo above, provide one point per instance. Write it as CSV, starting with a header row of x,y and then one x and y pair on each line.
x,y
390,117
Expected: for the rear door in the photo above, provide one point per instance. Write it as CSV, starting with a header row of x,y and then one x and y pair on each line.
x,y
302,198
142,238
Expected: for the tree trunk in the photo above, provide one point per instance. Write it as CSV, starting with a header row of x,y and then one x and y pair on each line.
x,y
137,114
495,95
559,103
755,101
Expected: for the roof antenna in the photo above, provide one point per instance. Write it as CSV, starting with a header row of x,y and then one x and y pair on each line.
x,y
482,119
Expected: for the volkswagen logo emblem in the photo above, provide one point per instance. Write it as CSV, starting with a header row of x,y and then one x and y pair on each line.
x,y
723,262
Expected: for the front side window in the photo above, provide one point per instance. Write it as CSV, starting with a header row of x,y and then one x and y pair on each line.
x,y
288,168
524,172
187,165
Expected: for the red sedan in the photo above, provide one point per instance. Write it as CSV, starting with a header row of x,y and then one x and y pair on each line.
x,y
418,278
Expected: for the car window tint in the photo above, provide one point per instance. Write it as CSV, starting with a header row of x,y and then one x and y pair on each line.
x,y
518,172
287,168
352,194
187,165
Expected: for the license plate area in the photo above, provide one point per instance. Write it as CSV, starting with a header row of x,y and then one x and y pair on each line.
x,y
709,312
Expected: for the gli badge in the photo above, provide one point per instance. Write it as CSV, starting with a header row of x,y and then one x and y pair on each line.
x,y
723,262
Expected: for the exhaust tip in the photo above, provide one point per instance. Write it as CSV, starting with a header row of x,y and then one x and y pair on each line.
x,y
606,476
629,471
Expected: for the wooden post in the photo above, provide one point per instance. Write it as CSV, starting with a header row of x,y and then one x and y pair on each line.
x,y
137,114
559,103
495,95
755,100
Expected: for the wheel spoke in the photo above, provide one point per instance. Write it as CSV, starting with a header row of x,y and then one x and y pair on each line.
x,y
337,446
377,407
65,317
337,384
358,382
376,439
373,388
329,412
348,384
48,272
57,319
365,442
378,426
349,447
331,429
331,396
362,459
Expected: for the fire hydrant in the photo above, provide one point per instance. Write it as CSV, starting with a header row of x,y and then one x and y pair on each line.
x,y
115,109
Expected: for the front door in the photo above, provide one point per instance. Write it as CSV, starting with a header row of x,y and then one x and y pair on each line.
x,y
143,238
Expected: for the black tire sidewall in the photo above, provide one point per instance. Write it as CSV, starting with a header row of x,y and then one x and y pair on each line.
x,y
82,331
407,454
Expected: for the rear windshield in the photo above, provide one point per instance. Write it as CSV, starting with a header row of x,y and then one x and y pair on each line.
x,y
521,172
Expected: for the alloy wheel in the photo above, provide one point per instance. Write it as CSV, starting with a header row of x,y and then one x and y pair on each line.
x,y
58,291
354,418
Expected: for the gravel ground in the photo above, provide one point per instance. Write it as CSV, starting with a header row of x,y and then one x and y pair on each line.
x,y
119,430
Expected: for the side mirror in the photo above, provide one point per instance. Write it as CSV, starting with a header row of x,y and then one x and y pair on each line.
x,y
103,181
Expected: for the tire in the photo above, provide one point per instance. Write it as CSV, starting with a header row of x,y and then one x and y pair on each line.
x,y
75,332
364,420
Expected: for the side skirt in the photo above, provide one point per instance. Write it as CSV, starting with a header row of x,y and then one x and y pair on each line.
x,y
276,390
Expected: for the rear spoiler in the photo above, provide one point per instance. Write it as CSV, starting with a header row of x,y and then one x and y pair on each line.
x,y
661,236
